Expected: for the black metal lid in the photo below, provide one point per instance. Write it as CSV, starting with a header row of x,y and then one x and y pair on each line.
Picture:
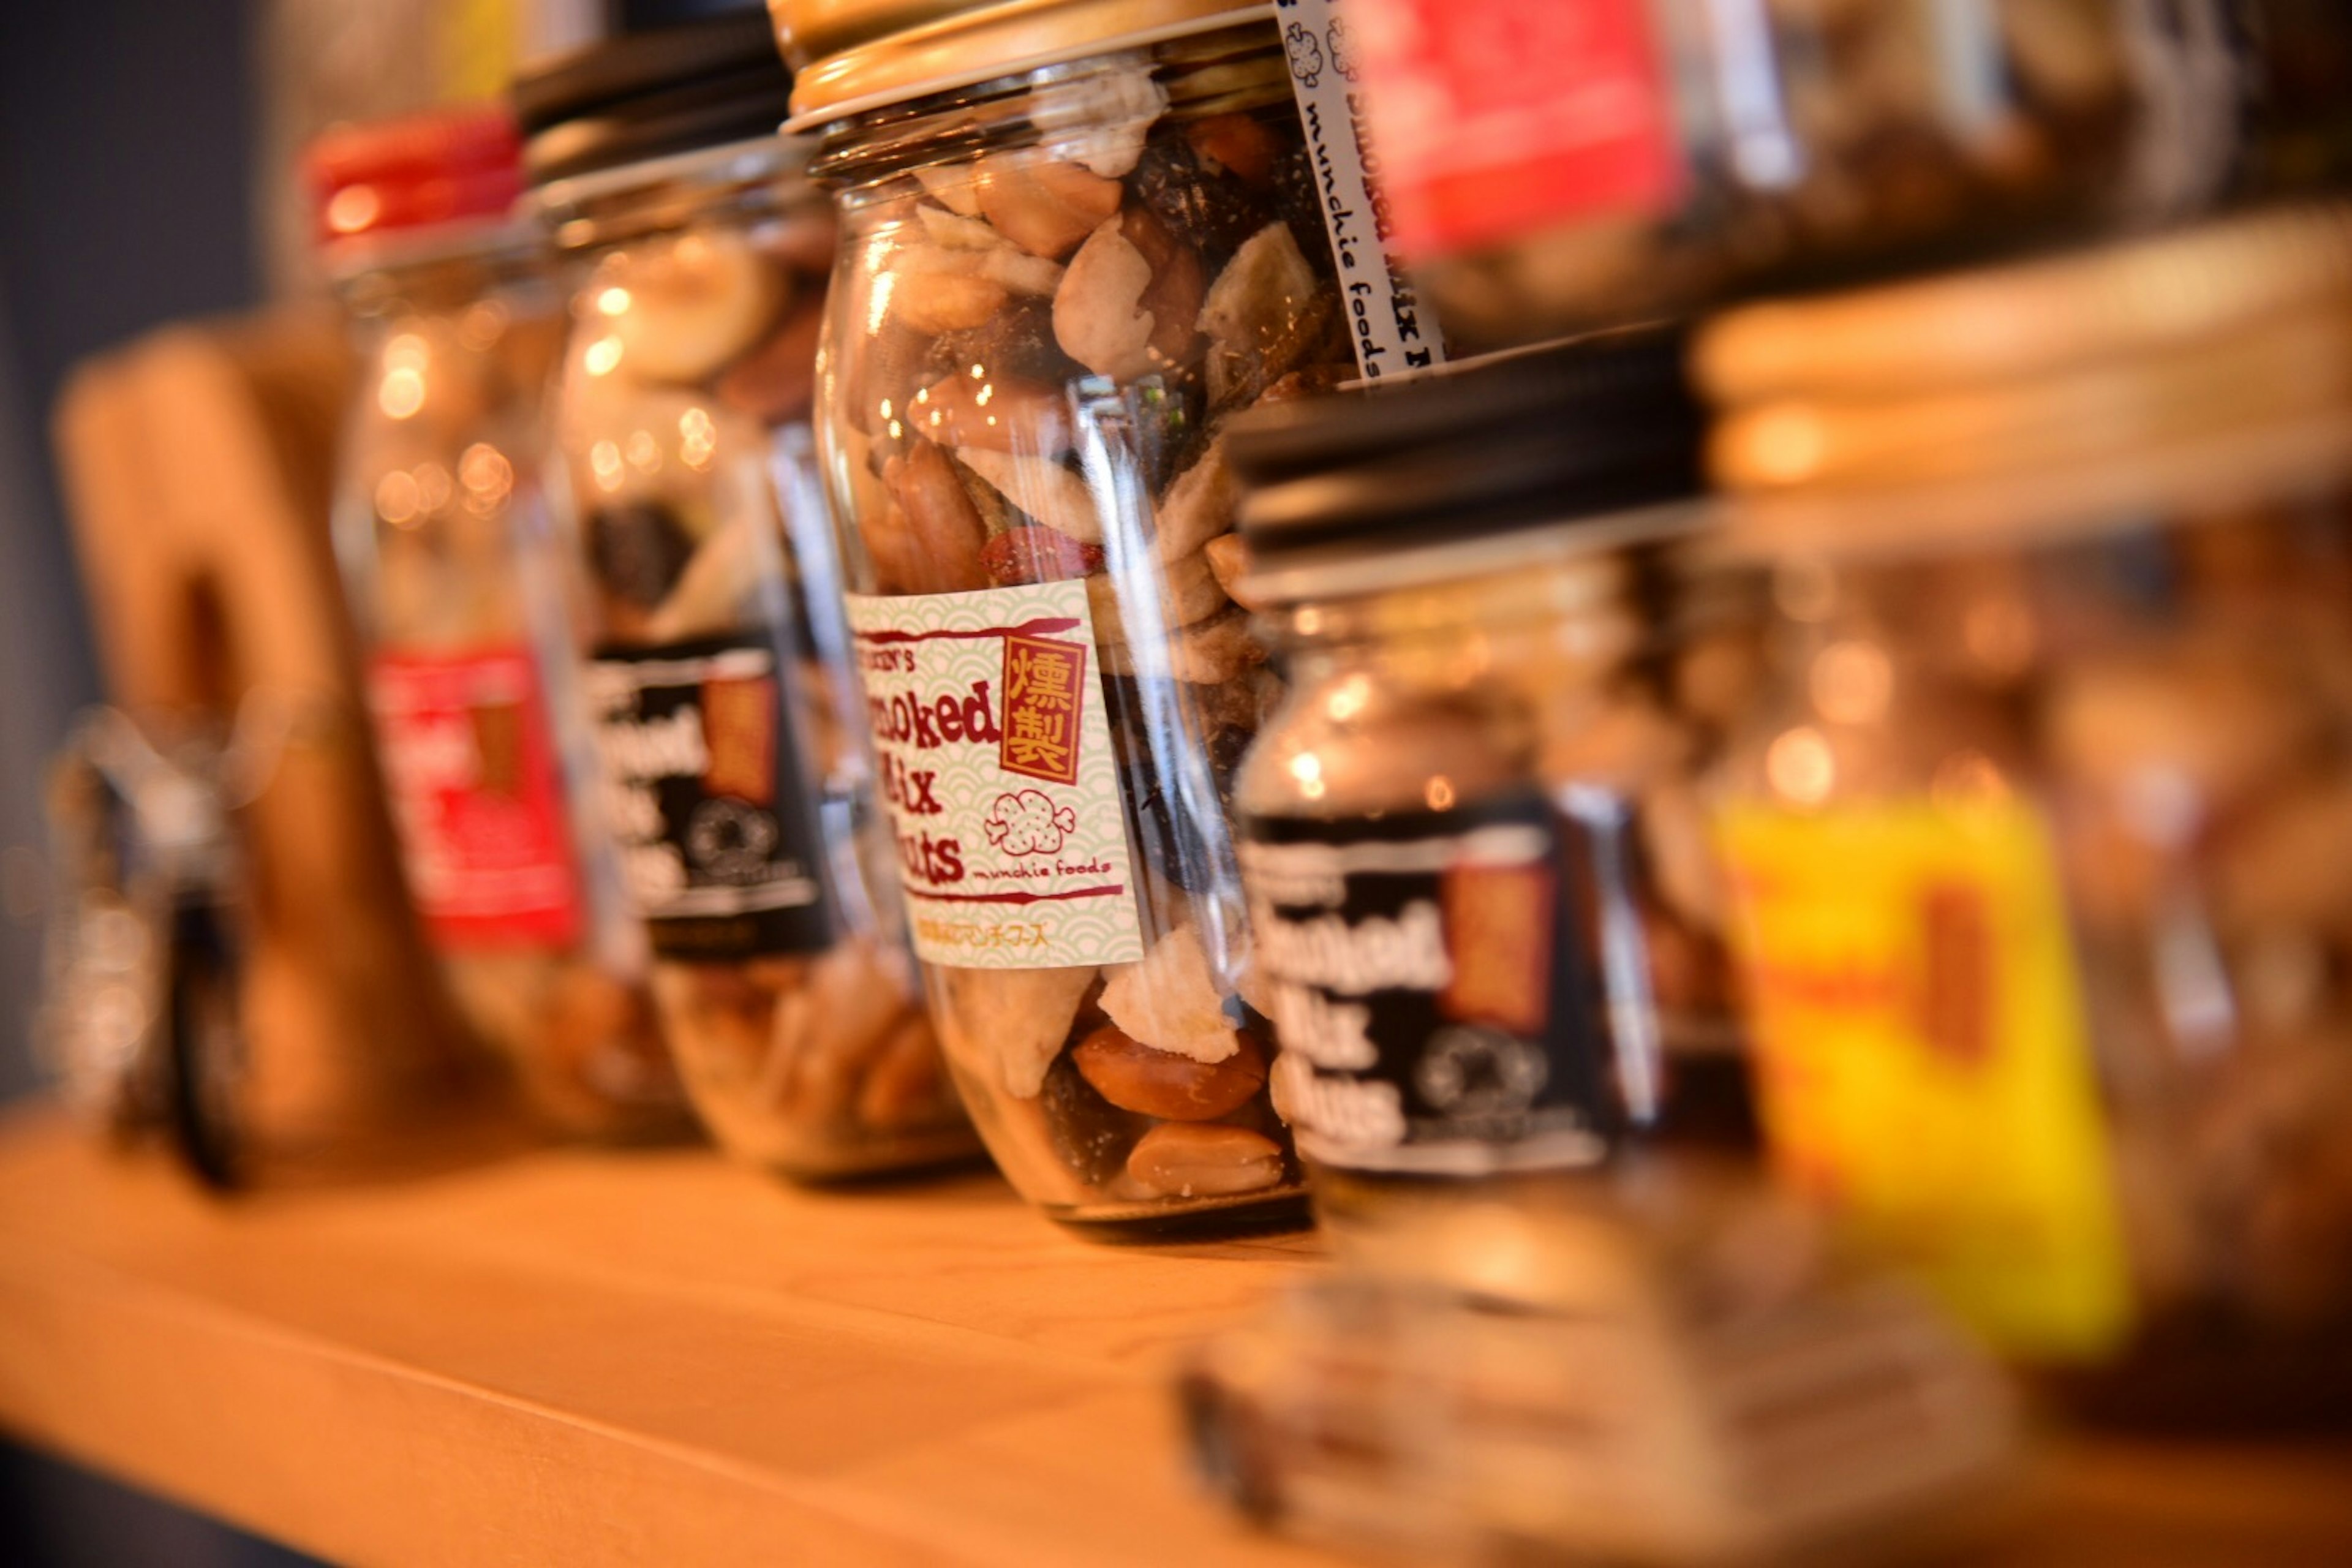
x,y
1579,430
653,94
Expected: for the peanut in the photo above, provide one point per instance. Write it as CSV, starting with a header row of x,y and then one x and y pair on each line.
x,y
1196,1160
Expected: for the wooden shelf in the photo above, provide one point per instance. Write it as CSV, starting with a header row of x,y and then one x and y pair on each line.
x,y
595,1358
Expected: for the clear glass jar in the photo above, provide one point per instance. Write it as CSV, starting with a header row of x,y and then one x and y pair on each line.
x,y
1055,286
718,665
2034,842
1553,166
1484,900
451,576
1557,1380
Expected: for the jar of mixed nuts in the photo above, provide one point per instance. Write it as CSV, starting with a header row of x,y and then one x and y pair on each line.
x,y
1478,873
717,669
449,567
1080,237
1553,163
2038,850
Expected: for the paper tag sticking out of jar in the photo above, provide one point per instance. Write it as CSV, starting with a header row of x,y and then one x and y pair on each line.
x,y
719,844
470,771
1430,989
1391,334
1494,119
995,765
1925,1067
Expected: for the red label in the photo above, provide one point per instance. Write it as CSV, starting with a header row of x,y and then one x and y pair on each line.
x,y
1045,691
1493,119
473,783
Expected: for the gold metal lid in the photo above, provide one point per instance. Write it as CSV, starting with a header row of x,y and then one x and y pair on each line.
x,y
851,56
2194,373
2032,368
2006,323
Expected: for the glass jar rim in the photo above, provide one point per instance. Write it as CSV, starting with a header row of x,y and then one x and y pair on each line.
x,y
1345,573
856,76
1996,326
1562,588
512,236
2148,490
566,210
2133,353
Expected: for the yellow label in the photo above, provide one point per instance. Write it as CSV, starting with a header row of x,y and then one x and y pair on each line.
x,y
478,48
1924,1068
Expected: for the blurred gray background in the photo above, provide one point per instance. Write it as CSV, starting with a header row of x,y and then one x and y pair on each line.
x,y
124,130
145,175
124,201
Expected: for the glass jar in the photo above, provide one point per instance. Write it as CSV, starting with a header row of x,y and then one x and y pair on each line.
x,y
717,664
1484,905
1555,1381
1065,265
448,563
1554,164
2033,844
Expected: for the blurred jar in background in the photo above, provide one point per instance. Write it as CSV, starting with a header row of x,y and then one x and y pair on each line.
x,y
1484,910
1555,164
445,550
2041,849
1078,239
717,671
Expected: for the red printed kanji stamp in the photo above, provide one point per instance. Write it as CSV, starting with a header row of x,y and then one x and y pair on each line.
x,y
1044,692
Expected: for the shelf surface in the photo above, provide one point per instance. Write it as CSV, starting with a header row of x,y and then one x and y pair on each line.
x,y
656,1357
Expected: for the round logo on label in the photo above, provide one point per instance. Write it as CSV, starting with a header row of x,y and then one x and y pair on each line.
x,y
1472,1071
732,841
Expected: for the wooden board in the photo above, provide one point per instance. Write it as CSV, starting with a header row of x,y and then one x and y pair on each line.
x,y
197,464
586,1358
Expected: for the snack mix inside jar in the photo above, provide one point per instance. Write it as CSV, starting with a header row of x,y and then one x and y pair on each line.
x,y
2039,852
718,674
1069,259
1481,889
1552,164
450,571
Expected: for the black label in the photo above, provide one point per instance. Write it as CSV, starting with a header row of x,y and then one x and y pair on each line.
x,y
719,846
1430,985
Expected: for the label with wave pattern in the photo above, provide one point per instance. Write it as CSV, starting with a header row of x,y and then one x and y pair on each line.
x,y
995,762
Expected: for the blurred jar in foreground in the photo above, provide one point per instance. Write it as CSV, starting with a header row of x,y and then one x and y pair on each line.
x,y
1553,1380
445,555
1078,239
717,673
1482,895
2041,850
1556,163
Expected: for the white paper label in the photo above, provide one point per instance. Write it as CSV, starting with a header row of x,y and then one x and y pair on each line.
x,y
1390,335
995,765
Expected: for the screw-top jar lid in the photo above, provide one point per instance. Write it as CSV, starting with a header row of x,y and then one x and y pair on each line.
x,y
451,166
2205,368
2010,367
2000,324
856,54
1589,444
653,94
